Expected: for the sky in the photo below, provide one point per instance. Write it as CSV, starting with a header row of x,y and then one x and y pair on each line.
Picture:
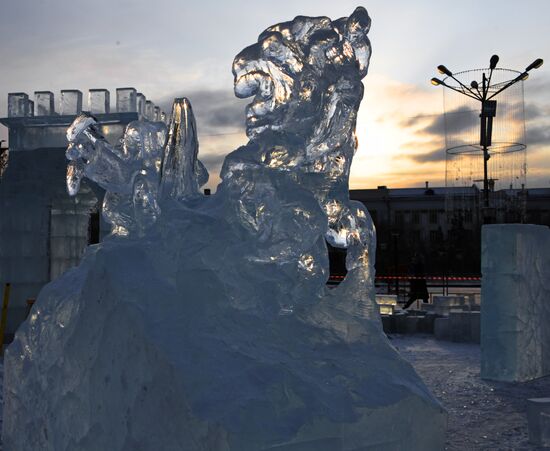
x,y
174,48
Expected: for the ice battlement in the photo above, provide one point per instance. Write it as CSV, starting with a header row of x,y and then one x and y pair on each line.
x,y
128,100
42,122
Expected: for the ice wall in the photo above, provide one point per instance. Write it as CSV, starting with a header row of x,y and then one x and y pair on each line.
x,y
515,307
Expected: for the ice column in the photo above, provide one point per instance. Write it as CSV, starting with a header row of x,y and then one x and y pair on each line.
x,y
515,302
99,101
71,102
44,103
156,116
126,99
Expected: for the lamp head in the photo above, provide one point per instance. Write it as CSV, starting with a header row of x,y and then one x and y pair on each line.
x,y
436,81
535,64
474,84
493,62
443,70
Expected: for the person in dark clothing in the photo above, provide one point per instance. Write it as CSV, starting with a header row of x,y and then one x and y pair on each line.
x,y
417,284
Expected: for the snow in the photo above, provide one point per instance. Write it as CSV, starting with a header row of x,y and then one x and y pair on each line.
x,y
483,415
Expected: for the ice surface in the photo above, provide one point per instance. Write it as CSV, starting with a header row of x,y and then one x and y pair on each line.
x,y
216,330
18,104
99,101
515,337
126,100
71,102
44,103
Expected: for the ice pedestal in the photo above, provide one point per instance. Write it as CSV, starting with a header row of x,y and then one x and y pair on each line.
x,y
515,337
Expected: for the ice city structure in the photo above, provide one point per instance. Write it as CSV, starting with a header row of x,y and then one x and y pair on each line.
x,y
208,325
43,231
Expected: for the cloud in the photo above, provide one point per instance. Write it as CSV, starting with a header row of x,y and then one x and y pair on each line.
x,y
216,111
429,157
537,136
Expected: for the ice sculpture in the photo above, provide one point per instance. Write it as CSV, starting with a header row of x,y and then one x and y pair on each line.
x,y
515,338
216,331
132,174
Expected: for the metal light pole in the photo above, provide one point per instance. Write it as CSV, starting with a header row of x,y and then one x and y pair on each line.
x,y
485,93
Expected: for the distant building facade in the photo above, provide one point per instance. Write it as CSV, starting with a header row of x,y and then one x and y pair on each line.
x,y
420,221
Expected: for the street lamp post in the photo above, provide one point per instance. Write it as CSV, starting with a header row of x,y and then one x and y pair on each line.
x,y
485,94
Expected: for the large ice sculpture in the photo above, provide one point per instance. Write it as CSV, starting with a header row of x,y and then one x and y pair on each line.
x,y
515,307
216,331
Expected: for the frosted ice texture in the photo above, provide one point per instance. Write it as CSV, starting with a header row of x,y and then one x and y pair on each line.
x,y
44,103
126,100
515,302
216,331
99,101
71,102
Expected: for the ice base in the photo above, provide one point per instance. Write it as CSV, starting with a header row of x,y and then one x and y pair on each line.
x,y
144,346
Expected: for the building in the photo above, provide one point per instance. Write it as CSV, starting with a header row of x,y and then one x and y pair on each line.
x,y
428,222
43,231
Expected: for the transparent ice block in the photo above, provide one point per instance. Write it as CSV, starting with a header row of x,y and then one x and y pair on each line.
x,y
71,102
99,101
126,100
44,103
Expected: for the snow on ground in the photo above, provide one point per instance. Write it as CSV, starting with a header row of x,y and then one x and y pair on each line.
x,y
483,415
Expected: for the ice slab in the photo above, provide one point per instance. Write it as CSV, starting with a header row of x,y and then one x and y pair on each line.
x,y
99,101
44,103
515,292
126,100
71,102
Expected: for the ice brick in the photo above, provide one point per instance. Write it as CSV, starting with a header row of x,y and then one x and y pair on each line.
x,y
126,100
44,103
71,102
18,104
99,101
515,293
140,101
149,110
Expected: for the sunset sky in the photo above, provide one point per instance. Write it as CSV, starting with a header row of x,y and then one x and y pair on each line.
x,y
170,48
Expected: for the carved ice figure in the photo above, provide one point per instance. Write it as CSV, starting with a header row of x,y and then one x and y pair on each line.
x,y
305,76
133,173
